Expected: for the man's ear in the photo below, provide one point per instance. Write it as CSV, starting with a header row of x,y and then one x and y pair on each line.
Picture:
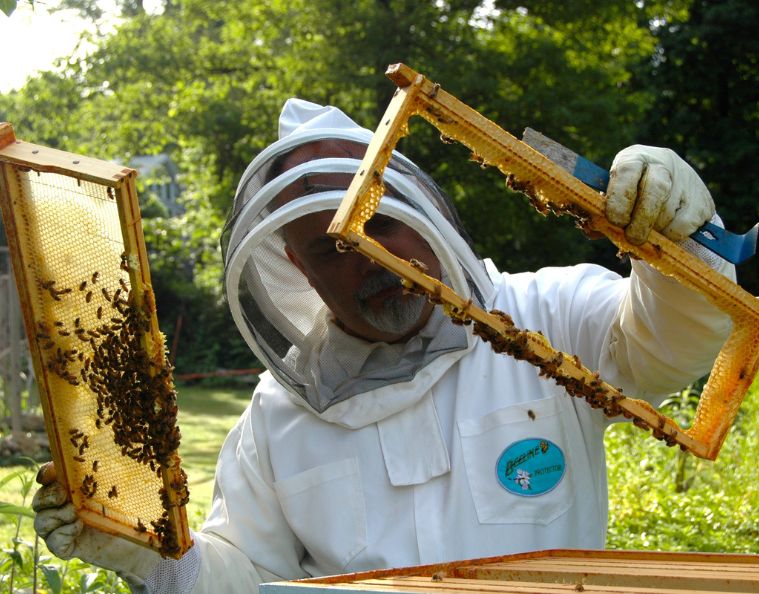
x,y
297,263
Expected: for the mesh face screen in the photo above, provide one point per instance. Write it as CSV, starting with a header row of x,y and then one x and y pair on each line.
x,y
551,189
107,392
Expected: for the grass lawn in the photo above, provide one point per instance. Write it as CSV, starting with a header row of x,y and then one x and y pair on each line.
x,y
205,416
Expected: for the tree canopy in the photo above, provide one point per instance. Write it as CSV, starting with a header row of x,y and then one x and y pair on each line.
x,y
204,82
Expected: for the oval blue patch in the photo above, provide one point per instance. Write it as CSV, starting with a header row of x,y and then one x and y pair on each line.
x,y
530,467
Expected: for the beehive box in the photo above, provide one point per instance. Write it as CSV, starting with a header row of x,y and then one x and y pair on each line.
x,y
553,572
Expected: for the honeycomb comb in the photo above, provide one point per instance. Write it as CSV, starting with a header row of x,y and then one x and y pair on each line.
x,y
78,253
552,189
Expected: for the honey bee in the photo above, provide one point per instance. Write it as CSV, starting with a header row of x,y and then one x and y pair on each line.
x,y
88,297
89,486
531,414
82,285
125,262
114,493
95,276
419,265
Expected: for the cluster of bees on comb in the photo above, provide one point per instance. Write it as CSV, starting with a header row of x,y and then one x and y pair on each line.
x,y
516,343
133,390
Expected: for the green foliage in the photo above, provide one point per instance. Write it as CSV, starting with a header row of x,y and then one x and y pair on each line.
x,y
664,499
707,108
204,82
22,553
8,6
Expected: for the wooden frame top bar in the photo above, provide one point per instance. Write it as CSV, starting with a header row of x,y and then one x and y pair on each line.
x,y
50,160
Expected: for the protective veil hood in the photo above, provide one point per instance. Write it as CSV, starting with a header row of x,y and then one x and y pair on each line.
x,y
283,319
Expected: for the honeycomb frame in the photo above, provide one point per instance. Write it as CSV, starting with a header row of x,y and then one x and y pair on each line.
x,y
78,254
551,189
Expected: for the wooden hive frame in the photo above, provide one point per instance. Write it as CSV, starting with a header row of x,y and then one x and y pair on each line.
x,y
105,385
552,189
558,571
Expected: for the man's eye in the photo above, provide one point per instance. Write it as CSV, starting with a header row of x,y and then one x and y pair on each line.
x,y
379,224
325,248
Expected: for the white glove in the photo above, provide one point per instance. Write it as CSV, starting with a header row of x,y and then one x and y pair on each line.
x,y
653,188
66,536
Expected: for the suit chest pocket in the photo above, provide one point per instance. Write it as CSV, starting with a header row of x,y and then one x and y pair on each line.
x,y
325,508
519,463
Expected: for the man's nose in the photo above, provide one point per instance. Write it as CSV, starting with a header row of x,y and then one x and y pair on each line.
x,y
363,265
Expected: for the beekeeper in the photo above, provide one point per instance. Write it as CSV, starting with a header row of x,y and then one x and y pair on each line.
x,y
383,434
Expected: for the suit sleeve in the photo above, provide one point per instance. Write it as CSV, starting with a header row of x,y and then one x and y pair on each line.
x,y
664,335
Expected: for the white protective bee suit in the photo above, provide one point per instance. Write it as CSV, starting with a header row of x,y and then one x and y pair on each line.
x,y
355,455
473,455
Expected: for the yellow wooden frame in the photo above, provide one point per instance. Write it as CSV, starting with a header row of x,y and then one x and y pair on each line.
x,y
558,571
553,189
19,156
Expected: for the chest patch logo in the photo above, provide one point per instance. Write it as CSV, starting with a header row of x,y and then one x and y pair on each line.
x,y
530,467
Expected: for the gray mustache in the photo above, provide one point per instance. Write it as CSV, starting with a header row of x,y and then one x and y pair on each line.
x,y
384,279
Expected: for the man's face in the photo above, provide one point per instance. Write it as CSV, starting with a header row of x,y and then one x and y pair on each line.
x,y
366,300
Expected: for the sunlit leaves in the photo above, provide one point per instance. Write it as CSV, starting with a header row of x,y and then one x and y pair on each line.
x,y
8,6
204,82
664,499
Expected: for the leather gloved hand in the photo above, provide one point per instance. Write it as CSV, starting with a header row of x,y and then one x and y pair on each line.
x,y
66,536
653,188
